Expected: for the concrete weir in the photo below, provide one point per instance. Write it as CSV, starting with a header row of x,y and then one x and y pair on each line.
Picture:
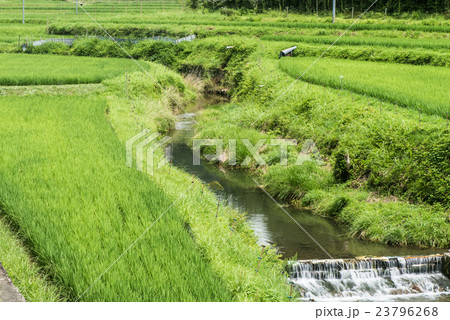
x,y
374,278
446,265
8,292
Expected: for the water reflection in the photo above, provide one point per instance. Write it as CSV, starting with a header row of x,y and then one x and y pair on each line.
x,y
270,223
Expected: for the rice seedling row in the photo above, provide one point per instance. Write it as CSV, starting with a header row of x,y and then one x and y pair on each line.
x,y
19,69
64,183
418,87
367,41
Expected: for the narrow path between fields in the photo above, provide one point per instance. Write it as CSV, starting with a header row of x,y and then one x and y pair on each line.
x,y
8,292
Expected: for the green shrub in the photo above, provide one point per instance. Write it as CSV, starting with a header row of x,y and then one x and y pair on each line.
x,y
94,47
50,48
156,51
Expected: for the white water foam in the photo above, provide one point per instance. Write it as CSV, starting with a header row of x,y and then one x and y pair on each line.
x,y
371,279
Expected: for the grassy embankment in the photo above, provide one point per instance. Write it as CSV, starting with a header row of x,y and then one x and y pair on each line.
x,y
388,172
77,206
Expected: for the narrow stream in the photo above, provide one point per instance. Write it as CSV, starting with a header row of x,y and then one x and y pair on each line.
x,y
275,227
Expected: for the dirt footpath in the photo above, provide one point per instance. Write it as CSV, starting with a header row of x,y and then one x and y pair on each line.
x,y
8,292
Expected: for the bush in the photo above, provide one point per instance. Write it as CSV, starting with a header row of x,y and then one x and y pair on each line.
x,y
156,51
94,47
50,48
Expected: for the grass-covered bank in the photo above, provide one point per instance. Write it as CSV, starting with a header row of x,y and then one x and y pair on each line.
x,y
386,171
370,214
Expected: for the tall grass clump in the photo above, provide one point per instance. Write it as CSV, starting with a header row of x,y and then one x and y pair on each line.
x,y
138,101
293,182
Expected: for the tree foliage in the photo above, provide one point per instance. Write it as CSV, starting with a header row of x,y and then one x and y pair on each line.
x,y
310,6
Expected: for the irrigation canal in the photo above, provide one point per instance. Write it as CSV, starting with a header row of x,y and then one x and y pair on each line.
x,y
392,278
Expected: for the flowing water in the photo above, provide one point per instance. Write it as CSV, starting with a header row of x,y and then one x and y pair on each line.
x,y
355,279
372,279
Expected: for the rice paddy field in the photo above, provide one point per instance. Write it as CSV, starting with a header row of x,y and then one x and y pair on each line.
x,y
59,220
45,70
70,207
420,87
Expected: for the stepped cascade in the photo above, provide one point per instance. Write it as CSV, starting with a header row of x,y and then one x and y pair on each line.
x,y
369,279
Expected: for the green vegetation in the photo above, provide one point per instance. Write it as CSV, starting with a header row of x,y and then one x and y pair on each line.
x,y
390,153
19,69
67,219
433,44
382,219
25,274
156,51
377,54
343,6
78,224
422,88
75,206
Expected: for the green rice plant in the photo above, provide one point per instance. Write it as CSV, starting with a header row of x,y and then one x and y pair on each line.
x,y
289,25
435,44
20,69
78,207
419,87
376,54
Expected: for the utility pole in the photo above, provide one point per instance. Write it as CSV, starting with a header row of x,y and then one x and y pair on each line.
x,y
76,6
334,10
23,12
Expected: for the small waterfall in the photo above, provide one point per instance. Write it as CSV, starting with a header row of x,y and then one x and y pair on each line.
x,y
370,279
